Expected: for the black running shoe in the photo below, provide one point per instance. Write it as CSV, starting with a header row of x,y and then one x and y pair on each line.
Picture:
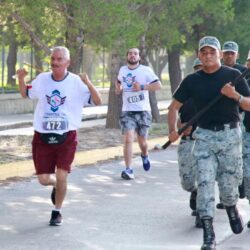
x,y
56,219
53,196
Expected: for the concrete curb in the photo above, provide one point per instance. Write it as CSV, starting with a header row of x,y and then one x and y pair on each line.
x,y
26,168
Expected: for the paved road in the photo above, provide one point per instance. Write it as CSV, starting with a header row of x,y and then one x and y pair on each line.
x,y
104,212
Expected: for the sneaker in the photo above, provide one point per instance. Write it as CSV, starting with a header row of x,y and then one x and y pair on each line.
x,y
128,174
192,200
53,196
220,206
56,218
145,162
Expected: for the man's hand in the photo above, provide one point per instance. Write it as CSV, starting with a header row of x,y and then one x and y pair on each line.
x,y
136,86
118,88
84,77
173,136
21,73
229,91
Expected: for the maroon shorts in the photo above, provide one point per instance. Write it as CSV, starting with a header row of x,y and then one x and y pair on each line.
x,y
49,157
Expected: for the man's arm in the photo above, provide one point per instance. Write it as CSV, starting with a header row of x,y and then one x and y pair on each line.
x,y
118,87
150,87
21,73
172,120
229,91
95,95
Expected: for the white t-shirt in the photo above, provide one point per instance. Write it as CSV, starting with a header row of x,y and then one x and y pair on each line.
x,y
136,100
60,103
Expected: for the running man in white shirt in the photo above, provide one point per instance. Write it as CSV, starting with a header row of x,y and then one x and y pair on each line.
x,y
134,82
61,96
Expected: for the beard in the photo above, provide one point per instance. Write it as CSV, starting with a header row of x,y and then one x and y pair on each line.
x,y
132,62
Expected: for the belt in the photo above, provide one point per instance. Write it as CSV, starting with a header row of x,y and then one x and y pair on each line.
x,y
187,137
219,127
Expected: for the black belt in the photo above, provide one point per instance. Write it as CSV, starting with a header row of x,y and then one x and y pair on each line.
x,y
219,127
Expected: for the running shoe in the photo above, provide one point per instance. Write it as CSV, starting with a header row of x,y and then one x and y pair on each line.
x,y
145,162
56,218
128,174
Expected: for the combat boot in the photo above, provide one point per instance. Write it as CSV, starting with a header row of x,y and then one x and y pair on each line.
x,y
198,223
208,234
242,193
192,200
234,219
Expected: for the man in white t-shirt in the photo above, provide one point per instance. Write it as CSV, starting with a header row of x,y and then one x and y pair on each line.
x,y
61,96
135,81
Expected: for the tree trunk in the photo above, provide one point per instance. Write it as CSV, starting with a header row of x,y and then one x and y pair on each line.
x,y
38,59
158,60
114,102
152,96
174,68
12,57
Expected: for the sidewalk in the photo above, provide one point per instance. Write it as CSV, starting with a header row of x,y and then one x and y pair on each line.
x,y
88,113
92,116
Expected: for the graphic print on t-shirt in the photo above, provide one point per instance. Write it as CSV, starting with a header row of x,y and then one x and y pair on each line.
x,y
55,100
129,79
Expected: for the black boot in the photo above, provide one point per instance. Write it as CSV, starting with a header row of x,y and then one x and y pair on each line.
x,y
220,206
198,223
192,200
242,193
208,234
234,219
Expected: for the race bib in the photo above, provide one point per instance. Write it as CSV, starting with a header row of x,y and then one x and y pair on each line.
x,y
135,98
55,123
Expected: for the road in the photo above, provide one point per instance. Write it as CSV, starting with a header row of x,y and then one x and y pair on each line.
x,y
104,212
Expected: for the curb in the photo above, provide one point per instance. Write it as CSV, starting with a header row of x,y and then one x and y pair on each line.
x,y
82,158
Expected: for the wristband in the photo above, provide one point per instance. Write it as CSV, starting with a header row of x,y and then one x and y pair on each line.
x,y
142,87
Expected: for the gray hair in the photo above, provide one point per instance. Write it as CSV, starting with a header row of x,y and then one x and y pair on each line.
x,y
62,49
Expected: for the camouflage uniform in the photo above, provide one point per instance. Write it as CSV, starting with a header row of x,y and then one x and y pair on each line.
x,y
246,163
218,156
186,163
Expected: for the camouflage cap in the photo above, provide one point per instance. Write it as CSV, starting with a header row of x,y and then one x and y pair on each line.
x,y
197,62
230,46
210,41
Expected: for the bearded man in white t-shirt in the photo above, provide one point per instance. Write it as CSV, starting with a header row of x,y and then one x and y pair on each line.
x,y
135,81
61,96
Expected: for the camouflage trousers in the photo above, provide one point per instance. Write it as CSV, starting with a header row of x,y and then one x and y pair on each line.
x,y
246,163
187,169
218,156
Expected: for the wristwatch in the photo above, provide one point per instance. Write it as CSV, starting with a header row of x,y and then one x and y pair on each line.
x,y
241,98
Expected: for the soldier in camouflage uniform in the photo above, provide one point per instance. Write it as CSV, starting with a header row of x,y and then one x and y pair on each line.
x,y
230,54
187,169
218,142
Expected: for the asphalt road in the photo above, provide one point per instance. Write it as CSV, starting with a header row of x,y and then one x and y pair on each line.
x,y
104,212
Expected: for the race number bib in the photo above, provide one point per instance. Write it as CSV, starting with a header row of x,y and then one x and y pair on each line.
x,y
55,123
136,98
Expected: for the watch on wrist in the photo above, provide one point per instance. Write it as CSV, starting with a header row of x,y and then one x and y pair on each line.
x,y
241,98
